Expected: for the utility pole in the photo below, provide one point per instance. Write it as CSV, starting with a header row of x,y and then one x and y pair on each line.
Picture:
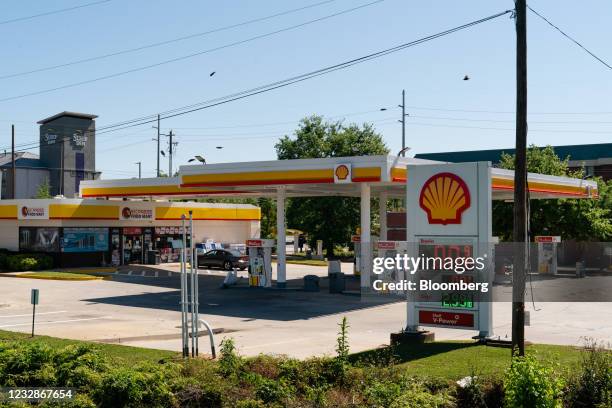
x,y
170,152
519,232
139,169
403,122
158,136
13,162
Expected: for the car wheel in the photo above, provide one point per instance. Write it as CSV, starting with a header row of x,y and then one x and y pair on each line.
x,y
227,266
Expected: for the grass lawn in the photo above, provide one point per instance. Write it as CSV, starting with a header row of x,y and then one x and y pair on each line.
x,y
122,355
450,360
59,275
453,360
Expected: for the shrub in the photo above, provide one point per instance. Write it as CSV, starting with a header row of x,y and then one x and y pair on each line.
x,y
38,365
146,385
382,394
270,391
229,362
528,384
250,403
591,386
193,396
416,397
27,262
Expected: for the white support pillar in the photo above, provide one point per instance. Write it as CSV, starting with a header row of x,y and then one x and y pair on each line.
x,y
382,214
281,241
366,239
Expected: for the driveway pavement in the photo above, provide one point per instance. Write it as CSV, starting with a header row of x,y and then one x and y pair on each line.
x,y
140,307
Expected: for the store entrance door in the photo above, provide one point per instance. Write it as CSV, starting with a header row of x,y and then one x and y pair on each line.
x,y
133,246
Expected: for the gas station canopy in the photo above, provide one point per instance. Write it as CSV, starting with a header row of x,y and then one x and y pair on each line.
x,y
336,176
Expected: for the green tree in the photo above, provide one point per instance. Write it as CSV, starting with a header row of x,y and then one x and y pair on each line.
x,y
44,190
331,219
583,220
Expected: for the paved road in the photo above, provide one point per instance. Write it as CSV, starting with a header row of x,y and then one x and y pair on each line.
x,y
144,310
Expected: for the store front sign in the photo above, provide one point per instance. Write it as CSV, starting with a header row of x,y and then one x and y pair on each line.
x,y
131,213
33,212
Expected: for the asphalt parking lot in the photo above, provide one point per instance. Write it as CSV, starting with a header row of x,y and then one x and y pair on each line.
x,y
141,307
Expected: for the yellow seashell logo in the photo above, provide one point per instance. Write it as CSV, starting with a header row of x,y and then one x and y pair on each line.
x,y
342,172
444,197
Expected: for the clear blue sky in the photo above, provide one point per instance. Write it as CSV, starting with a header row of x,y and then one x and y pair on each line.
x,y
562,78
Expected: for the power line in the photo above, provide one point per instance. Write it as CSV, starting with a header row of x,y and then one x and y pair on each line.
x,y
184,57
570,38
504,112
166,42
48,13
299,78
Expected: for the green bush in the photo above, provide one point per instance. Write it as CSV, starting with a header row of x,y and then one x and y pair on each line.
x,y
229,362
146,385
27,262
270,391
193,396
38,365
416,397
529,384
591,385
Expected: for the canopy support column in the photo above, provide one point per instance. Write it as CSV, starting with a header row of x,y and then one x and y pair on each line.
x,y
281,241
382,213
366,244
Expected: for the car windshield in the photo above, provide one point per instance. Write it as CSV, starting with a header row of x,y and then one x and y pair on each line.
x,y
234,252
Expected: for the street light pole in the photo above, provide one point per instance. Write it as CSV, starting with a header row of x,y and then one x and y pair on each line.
x,y
139,169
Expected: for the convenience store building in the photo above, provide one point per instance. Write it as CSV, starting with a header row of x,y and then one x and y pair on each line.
x,y
86,232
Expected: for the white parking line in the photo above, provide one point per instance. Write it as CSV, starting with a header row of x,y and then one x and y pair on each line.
x,y
54,322
37,314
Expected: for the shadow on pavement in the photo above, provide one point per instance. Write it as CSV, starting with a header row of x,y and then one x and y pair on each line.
x,y
241,301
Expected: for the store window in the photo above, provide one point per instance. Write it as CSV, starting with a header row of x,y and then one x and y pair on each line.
x,y
85,240
169,241
39,239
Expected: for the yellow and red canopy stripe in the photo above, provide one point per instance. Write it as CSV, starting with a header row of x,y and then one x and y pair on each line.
x,y
221,214
83,212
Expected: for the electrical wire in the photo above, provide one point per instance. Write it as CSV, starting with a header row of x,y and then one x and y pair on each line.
x,y
166,42
296,79
184,57
48,13
570,38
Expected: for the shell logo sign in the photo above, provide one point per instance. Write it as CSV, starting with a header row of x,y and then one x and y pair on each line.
x,y
444,197
342,173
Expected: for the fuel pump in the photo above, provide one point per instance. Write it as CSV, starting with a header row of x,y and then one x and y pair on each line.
x,y
260,262
547,253
390,249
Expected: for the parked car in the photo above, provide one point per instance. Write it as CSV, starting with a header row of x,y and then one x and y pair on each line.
x,y
223,258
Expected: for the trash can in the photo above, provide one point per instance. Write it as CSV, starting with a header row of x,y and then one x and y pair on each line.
x,y
311,283
580,273
153,257
337,282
